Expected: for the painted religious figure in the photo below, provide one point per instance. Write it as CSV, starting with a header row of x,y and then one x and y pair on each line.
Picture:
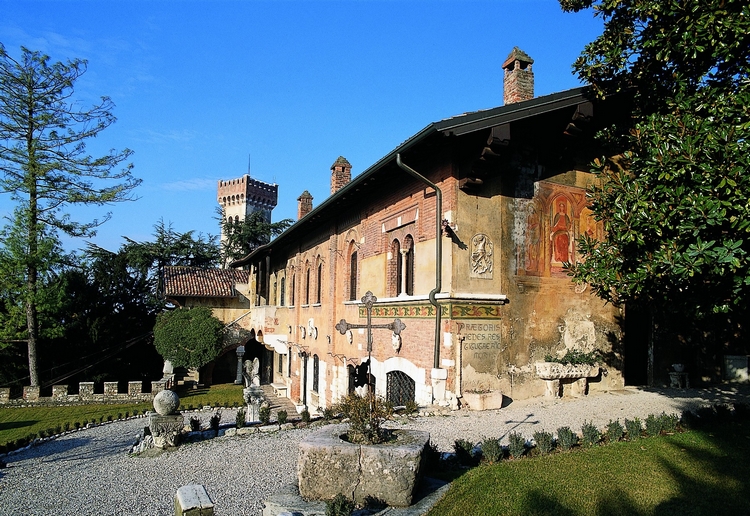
x,y
532,241
560,232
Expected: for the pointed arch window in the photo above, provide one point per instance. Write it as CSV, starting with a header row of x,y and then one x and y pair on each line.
x,y
307,286
282,291
353,274
319,284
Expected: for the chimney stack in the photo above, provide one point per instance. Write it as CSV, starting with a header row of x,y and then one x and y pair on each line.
x,y
341,175
519,79
304,204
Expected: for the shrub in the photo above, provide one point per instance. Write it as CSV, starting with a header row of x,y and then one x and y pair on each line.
x,y
590,433
58,429
669,422
190,407
119,415
339,506
328,413
305,416
464,452
566,437
51,432
41,434
411,407
239,419
492,450
215,421
653,425
109,418
614,431
544,442
575,357
633,428
66,426
77,425
195,424
516,445
264,414
432,457
281,416
374,504
366,416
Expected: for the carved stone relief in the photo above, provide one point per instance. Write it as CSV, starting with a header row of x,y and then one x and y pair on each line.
x,y
482,259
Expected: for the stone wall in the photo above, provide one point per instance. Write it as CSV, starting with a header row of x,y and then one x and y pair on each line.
x,y
86,394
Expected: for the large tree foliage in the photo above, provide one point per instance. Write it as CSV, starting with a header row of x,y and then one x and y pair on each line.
x,y
171,248
49,298
242,237
674,200
44,165
188,337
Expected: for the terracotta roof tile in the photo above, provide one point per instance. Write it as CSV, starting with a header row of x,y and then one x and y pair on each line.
x,y
197,282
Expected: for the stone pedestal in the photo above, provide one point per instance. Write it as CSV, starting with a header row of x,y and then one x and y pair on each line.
x,y
556,376
165,429
31,393
328,465
253,396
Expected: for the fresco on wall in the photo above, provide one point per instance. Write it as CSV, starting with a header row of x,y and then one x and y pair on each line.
x,y
555,219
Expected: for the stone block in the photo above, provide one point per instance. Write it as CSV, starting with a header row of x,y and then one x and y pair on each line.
x,y
31,393
86,391
5,395
157,386
193,500
135,388
60,392
110,389
329,465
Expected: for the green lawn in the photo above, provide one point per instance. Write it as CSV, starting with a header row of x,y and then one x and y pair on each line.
x,y
21,422
693,473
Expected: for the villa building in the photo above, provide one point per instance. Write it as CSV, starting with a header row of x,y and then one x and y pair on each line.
x,y
461,233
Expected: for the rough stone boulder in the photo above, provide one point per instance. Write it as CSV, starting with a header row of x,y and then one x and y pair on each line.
x,y
329,465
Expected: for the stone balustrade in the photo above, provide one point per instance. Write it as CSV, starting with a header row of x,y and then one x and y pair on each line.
x,y
87,394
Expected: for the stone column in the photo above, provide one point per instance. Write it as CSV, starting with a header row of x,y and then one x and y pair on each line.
x,y
31,393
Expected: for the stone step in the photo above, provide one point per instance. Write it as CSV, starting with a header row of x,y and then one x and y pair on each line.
x,y
279,403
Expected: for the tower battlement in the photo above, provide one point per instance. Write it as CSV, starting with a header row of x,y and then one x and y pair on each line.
x,y
257,195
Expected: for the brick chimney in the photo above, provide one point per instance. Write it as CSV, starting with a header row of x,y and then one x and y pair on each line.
x,y
304,204
341,175
519,79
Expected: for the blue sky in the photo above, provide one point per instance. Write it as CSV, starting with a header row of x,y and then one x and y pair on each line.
x,y
204,89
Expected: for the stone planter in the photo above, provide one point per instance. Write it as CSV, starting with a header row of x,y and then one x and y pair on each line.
x,y
556,375
329,465
483,400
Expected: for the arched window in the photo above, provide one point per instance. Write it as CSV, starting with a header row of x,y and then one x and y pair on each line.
x,y
408,265
400,388
283,291
353,274
394,270
316,373
319,284
307,285
291,292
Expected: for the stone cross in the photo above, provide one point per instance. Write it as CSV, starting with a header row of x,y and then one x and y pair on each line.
x,y
368,300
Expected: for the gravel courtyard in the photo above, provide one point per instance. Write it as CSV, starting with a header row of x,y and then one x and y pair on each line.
x,y
89,472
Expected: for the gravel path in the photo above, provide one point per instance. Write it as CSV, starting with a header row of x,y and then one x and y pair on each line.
x,y
90,472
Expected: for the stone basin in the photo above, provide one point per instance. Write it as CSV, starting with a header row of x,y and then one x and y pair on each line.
x,y
329,465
